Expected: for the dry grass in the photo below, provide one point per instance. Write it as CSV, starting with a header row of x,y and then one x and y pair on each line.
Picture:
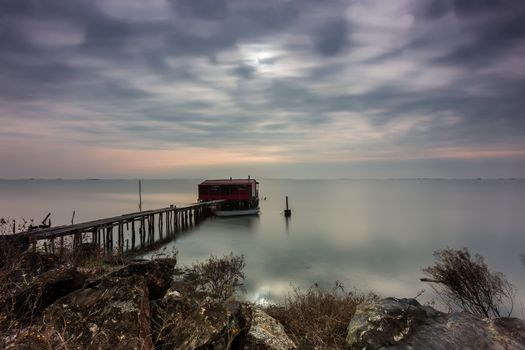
x,y
220,277
9,225
319,318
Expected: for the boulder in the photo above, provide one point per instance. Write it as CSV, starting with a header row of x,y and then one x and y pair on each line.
x,y
45,289
157,273
405,324
267,333
114,314
187,322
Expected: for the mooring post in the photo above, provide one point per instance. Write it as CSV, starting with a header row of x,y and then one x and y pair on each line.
x,y
287,211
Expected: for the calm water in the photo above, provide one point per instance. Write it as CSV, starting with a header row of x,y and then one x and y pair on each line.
x,y
368,234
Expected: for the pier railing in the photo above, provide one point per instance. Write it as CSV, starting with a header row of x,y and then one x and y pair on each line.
x,y
134,231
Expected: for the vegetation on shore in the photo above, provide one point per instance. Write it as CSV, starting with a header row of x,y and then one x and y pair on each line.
x,y
466,283
314,318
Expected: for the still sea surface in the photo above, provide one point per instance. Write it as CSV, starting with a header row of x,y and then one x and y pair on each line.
x,y
368,234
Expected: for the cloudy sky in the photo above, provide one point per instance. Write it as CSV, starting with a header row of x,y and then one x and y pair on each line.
x,y
274,88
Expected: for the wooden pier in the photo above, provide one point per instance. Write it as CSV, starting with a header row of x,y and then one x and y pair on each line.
x,y
134,231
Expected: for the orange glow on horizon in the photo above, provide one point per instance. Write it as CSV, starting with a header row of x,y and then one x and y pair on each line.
x,y
139,159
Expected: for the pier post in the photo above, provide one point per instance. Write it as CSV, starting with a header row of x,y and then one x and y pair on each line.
x,y
168,214
120,232
161,224
152,227
133,234
142,231
105,238
119,236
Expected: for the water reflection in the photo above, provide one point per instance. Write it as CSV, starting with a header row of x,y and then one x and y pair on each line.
x,y
249,222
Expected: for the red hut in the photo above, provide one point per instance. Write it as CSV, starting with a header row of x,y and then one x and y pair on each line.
x,y
241,196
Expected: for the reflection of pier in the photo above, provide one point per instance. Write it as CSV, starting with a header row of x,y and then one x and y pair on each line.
x,y
133,231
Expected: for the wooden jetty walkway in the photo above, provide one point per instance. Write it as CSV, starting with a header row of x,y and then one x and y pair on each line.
x,y
133,231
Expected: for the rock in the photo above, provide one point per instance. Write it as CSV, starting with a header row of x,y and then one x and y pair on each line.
x,y
42,292
114,314
158,274
267,333
385,322
405,324
186,322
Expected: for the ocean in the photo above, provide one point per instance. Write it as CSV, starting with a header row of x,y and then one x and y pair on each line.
x,y
370,235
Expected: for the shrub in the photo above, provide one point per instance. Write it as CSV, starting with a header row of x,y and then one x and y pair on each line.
x,y
220,277
466,283
319,317
9,225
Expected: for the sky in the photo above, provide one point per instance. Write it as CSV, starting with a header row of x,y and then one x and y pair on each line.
x,y
274,88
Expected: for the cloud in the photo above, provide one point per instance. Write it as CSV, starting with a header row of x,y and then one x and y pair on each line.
x,y
331,38
296,82
244,71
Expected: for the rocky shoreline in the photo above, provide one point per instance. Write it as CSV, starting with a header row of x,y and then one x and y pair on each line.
x,y
157,305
